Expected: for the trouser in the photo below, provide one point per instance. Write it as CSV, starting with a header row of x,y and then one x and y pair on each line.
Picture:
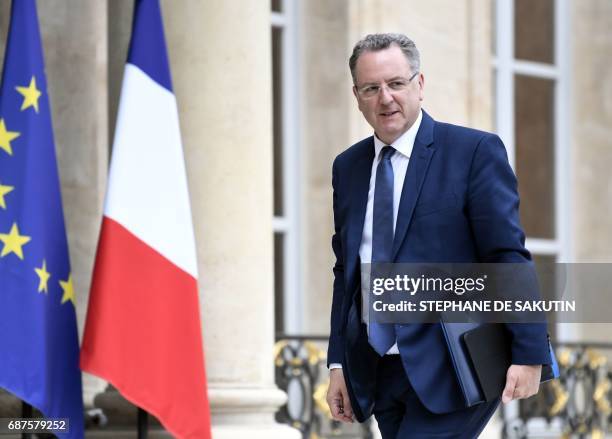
x,y
401,415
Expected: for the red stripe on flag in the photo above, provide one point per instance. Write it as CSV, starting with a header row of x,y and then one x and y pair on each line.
x,y
142,332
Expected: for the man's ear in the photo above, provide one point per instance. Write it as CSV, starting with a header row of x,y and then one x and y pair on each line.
x,y
421,86
357,97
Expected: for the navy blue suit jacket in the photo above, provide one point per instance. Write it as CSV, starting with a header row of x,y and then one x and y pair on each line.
x,y
459,204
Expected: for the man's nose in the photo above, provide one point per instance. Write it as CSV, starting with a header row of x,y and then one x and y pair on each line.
x,y
385,95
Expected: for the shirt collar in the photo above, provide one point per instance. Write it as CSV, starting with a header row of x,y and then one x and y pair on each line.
x,y
404,143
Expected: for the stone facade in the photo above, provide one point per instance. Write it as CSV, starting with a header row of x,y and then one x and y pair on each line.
x,y
221,66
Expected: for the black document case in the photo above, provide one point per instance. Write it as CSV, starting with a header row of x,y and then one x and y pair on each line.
x,y
481,358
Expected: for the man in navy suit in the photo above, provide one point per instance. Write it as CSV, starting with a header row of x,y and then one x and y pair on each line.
x,y
416,191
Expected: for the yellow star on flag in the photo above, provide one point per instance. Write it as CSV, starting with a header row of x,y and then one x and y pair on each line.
x,y
6,137
43,276
3,191
68,291
30,95
13,242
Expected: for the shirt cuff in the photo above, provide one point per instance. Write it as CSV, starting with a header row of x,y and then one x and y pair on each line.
x,y
335,366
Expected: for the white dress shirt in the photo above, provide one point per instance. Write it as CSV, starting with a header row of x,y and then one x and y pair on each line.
x,y
399,161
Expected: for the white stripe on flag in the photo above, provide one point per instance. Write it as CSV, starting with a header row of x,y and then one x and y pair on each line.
x,y
147,189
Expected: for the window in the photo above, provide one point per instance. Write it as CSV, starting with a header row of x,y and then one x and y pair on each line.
x,y
531,90
531,48
531,68
286,223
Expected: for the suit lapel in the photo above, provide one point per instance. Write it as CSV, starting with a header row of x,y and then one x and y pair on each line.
x,y
418,165
360,185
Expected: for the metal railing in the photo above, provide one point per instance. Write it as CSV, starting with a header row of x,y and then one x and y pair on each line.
x,y
577,405
301,371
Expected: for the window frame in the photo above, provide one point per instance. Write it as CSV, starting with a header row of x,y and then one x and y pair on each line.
x,y
289,223
506,67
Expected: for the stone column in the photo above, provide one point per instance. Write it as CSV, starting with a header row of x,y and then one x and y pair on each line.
x,y
325,108
220,55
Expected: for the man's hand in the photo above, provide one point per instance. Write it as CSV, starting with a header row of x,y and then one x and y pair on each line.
x,y
521,382
337,397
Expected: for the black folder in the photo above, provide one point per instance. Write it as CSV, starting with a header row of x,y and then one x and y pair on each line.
x,y
488,347
481,357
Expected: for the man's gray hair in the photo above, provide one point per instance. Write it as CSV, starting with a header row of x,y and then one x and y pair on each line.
x,y
376,42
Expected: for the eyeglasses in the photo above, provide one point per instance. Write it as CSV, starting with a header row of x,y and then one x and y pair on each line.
x,y
394,86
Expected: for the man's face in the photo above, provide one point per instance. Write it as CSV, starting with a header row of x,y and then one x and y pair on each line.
x,y
389,103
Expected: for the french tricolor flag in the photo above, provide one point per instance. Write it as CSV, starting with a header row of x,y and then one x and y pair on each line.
x,y
142,332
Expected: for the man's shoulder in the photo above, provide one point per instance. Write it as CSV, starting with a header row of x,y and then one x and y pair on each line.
x,y
356,151
462,144
454,132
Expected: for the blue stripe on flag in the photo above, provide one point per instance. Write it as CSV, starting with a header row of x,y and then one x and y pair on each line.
x,y
148,46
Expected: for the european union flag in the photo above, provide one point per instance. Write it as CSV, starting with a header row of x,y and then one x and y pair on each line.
x,y
39,347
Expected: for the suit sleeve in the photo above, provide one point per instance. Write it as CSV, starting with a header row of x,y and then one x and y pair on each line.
x,y
493,203
336,337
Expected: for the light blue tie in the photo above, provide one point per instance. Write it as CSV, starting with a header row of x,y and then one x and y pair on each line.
x,y
382,335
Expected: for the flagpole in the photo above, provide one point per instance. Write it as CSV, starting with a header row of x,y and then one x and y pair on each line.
x,y
26,413
143,424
